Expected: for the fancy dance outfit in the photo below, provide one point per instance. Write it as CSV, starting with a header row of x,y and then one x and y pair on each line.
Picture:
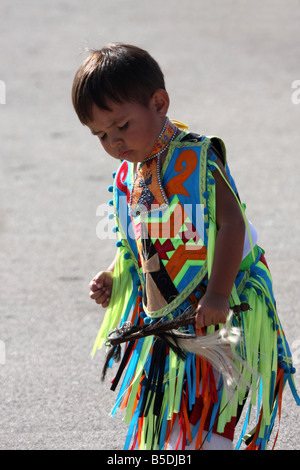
x,y
166,227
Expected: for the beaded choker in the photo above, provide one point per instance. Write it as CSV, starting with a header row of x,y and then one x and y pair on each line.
x,y
166,136
147,192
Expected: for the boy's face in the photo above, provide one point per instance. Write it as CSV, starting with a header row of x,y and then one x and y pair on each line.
x,y
130,131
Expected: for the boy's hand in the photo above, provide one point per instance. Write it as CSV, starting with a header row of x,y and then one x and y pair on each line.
x,y
212,309
101,287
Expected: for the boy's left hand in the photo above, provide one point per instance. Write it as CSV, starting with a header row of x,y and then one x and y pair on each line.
x,y
212,309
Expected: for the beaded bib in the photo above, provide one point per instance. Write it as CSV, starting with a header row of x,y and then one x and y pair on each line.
x,y
147,193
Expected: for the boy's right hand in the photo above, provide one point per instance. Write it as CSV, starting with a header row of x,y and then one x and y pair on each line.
x,y
101,287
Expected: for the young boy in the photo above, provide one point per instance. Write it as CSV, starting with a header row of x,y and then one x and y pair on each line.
x,y
183,242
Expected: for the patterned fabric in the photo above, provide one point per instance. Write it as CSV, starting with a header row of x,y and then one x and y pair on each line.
x,y
163,266
171,243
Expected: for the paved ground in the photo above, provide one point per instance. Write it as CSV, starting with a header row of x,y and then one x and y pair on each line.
x,y
229,68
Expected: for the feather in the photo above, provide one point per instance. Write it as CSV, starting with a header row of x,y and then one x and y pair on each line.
x,y
218,349
113,353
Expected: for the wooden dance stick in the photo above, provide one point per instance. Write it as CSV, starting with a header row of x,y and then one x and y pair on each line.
x,y
129,332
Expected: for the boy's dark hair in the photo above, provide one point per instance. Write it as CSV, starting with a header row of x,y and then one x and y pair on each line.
x,y
117,72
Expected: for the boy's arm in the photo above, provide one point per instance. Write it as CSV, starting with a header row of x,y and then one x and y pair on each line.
x,y
214,305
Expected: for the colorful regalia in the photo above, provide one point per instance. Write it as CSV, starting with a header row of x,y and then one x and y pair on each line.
x,y
166,228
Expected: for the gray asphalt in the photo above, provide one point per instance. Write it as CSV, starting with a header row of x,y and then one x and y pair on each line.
x,y
229,68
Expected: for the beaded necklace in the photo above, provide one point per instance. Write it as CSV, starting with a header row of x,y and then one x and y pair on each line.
x,y
147,192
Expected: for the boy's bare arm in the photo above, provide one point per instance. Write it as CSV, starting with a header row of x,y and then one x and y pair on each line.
x,y
214,305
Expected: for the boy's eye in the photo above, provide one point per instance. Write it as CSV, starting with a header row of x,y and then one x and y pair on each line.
x,y
122,128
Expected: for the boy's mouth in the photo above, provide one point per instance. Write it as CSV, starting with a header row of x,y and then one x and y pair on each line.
x,y
124,155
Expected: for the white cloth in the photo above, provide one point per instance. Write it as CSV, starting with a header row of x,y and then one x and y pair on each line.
x,y
253,234
216,442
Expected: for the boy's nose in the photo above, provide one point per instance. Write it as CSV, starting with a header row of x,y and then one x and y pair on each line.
x,y
115,141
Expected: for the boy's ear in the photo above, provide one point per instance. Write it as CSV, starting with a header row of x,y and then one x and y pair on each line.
x,y
161,101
